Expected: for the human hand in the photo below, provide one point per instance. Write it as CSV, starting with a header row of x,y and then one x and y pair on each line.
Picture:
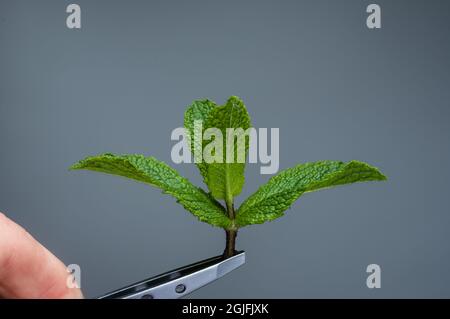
x,y
28,269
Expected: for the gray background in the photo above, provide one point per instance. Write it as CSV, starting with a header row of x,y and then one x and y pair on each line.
x,y
336,90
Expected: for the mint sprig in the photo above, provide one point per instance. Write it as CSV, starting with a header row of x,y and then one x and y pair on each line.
x,y
226,180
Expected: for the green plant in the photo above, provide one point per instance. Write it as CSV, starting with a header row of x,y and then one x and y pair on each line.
x,y
226,180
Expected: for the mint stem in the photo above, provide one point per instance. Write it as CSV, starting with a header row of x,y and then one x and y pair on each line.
x,y
230,241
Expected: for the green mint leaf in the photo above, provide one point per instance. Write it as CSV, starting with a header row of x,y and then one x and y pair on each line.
x,y
273,198
151,171
198,111
225,180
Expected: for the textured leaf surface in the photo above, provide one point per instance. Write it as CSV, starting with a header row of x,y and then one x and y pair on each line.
x,y
277,195
198,111
226,180
151,171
